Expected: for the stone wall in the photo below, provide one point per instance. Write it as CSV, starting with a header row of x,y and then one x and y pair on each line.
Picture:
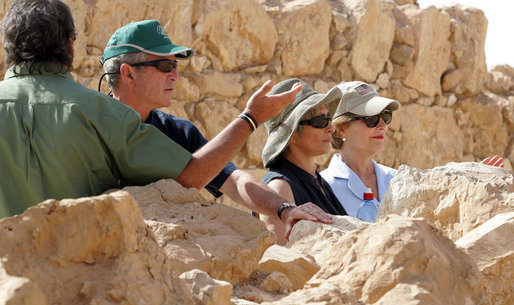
x,y
431,60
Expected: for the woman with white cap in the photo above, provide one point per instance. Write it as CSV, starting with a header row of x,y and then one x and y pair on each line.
x,y
361,123
297,135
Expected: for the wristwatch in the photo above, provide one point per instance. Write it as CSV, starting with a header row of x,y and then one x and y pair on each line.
x,y
284,205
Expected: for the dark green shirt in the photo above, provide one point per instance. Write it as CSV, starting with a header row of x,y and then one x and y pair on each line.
x,y
59,139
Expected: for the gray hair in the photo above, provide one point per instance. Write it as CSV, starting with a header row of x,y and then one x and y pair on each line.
x,y
113,65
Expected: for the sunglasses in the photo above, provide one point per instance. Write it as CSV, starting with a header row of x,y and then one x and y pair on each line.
x,y
372,121
320,121
165,65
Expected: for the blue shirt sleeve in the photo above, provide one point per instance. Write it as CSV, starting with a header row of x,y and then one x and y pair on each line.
x,y
188,136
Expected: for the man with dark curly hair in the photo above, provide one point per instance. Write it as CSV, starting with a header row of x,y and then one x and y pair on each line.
x,y
59,139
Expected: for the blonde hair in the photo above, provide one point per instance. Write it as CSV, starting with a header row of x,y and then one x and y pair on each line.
x,y
336,141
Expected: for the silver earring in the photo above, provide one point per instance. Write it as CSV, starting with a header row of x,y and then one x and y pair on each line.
x,y
344,139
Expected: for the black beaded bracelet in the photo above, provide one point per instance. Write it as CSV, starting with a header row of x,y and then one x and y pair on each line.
x,y
250,120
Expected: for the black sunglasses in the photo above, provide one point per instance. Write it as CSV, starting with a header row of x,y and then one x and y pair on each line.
x,y
320,121
372,121
165,65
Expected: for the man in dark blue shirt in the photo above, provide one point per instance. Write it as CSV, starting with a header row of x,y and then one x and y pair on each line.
x,y
140,64
188,136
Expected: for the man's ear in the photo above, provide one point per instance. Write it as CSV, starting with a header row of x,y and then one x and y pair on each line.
x,y
126,72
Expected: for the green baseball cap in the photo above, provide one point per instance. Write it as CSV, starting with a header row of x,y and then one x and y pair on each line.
x,y
143,36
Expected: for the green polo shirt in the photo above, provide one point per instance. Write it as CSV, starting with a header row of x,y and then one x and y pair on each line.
x,y
59,139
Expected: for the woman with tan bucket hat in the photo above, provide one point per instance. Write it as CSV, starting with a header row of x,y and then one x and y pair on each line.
x,y
361,123
296,136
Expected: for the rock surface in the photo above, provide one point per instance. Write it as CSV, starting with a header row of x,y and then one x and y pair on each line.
x,y
196,234
455,198
207,290
130,246
491,245
298,268
95,250
395,261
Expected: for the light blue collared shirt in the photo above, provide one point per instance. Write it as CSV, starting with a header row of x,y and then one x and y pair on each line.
x,y
349,188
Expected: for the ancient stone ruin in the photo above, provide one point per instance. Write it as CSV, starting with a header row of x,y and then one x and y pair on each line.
x,y
445,231
444,236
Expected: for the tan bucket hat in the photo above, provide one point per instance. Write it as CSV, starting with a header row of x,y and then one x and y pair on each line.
x,y
281,128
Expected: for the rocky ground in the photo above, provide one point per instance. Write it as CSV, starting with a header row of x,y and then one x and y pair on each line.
x,y
444,236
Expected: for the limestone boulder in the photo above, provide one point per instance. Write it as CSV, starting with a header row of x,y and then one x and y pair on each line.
x,y
505,69
186,90
482,122
419,126
102,14
498,82
397,260
239,34
506,104
206,290
396,90
223,85
177,108
491,245
81,16
403,49
19,290
468,30
375,26
224,242
325,294
303,28
253,294
214,115
314,239
277,282
198,63
432,56
403,2
298,268
455,198
175,17
95,250
255,143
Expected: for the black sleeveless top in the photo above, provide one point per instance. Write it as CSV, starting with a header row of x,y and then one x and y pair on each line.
x,y
304,186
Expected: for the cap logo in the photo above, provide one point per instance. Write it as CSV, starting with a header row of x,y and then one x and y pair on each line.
x,y
364,89
161,31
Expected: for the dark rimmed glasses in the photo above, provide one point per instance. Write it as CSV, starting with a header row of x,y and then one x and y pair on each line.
x,y
372,121
320,121
165,65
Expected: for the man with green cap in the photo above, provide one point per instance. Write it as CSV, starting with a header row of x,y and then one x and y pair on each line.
x,y
59,139
140,64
